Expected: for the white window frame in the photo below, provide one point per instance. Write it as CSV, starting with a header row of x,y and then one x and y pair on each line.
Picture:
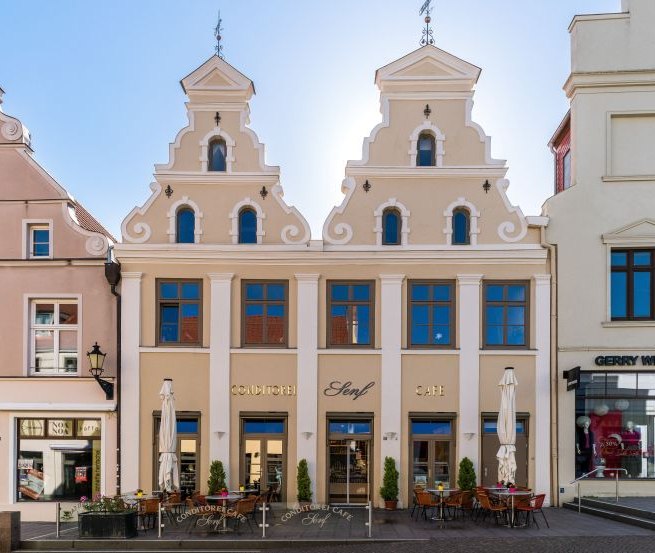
x,y
30,300
30,225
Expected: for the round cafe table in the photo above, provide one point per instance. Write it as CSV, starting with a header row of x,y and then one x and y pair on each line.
x,y
224,499
512,495
440,493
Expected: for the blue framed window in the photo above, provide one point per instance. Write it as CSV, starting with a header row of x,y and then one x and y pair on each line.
x,y
349,427
185,226
461,227
632,285
350,313
425,155
187,426
180,312
420,426
391,227
40,242
431,313
216,155
490,426
247,226
265,307
506,314
263,426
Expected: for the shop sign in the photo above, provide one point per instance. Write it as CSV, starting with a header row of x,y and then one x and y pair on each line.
x,y
32,427
60,428
572,379
338,388
435,390
263,390
624,360
88,427
25,464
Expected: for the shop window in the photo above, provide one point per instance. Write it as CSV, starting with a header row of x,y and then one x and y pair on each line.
x,y
431,312
432,453
185,223
350,313
614,424
633,285
391,225
350,460
54,328
247,226
179,312
506,316
217,155
461,227
58,459
188,451
264,313
263,455
425,155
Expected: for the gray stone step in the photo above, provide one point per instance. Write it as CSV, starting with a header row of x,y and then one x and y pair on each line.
x,y
626,515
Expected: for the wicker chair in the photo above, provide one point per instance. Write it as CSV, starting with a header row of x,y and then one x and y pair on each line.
x,y
534,506
425,501
489,508
147,513
242,512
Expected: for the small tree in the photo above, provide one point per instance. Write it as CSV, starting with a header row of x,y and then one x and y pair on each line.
x,y
216,480
466,479
304,483
389,489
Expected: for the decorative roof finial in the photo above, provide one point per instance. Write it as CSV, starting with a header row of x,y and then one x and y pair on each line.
x,y
426,35
217,34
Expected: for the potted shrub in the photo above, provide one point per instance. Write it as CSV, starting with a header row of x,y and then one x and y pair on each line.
x,y
389,489
106,517
466,481
216,480
304,483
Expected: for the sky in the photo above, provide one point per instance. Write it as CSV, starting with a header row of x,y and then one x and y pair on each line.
x,y
97,84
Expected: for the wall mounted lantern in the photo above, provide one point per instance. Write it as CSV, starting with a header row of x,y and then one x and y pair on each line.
x,y
96,360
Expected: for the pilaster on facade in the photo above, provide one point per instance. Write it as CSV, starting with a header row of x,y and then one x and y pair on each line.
x,y
469,367
130,377
307,372
391,368
542,384
219,368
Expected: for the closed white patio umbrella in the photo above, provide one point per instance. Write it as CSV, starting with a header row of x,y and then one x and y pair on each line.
x,y
507,427
169,476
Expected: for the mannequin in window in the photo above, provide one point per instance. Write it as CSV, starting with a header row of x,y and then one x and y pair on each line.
x,y
631,446
585,446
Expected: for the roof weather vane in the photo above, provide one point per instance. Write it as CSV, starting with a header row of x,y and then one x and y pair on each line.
x,y
217,34
426,35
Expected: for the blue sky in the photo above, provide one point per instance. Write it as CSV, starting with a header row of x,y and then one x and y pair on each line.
x,y
97,84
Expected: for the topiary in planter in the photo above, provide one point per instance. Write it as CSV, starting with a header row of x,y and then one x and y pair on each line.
x,y
216,480
304,483
466,479
389,488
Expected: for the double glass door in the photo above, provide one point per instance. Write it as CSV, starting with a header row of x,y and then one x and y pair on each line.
x,y
349,451
263,455
432,450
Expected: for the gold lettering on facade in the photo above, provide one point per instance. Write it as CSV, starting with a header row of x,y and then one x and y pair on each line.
x,y
263,390
431,391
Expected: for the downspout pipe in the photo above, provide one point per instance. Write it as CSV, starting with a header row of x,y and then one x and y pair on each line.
x,y
113,276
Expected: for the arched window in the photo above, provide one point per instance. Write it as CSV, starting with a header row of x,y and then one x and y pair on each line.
x,y
425,150
391,224
185,226
461,227
247,226
216,155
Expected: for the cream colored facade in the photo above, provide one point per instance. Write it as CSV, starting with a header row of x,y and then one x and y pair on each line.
x,y
217,379
608,207
44,376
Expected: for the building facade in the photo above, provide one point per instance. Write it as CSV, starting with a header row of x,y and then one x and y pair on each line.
x,y
602,226
387,337
57,427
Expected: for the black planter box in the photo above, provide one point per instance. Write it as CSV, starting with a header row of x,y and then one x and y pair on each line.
x,y
107,525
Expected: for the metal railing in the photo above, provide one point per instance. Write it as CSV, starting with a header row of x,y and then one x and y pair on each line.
x,y
578,481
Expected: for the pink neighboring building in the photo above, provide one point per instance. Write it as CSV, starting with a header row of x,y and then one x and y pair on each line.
x,y
57,426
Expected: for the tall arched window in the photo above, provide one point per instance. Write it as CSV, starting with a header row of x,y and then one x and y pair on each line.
x,y
425,150
461,227
185,226
247,226
216,155
391,224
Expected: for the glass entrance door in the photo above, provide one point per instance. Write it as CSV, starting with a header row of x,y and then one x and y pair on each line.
x,y
432,451
263,455
349,450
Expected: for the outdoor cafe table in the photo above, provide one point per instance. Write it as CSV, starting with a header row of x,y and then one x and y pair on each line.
x,y
224,499
512,495
441,493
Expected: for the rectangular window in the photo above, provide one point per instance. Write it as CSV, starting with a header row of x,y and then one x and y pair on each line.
x,y
566,170
53,336
350,313
506,315
179,312
38,241
431,312
632,285
264,320
58,459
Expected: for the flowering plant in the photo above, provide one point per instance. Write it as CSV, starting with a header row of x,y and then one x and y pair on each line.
x,y
102,504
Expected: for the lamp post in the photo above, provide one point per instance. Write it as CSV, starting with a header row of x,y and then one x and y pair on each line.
x,y
96,360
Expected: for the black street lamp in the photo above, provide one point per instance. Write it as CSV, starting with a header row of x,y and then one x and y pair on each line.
x,y
96,360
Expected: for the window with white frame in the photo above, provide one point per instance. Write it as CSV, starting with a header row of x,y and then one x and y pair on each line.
x,y
39,241
54,327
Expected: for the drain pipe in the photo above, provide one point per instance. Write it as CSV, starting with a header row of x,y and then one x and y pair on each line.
x,y
113,276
